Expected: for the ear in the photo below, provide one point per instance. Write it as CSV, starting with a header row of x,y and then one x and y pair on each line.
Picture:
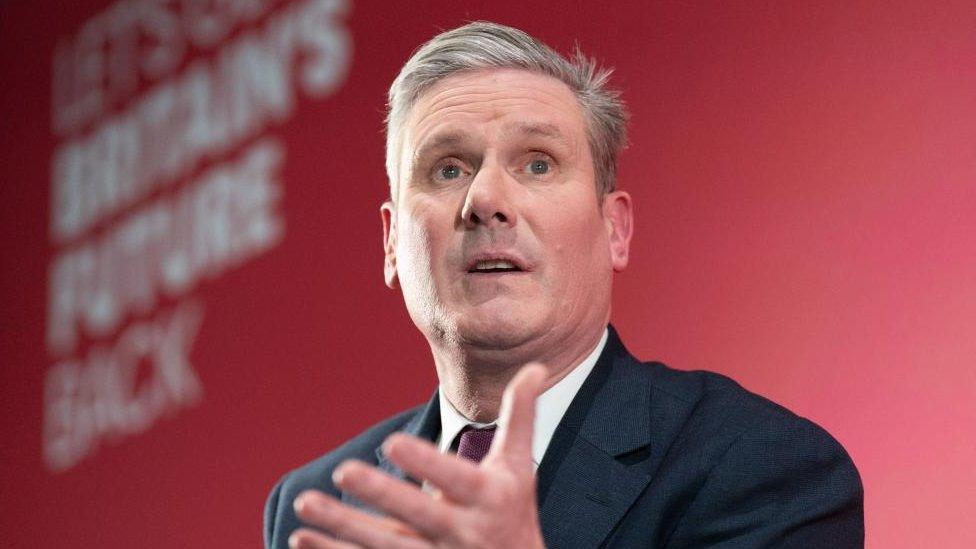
x,y
388,213
618,214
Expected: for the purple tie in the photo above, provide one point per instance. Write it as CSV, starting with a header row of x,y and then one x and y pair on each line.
x,y
473,443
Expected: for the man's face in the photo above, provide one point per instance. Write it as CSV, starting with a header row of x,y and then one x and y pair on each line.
x,y
497,236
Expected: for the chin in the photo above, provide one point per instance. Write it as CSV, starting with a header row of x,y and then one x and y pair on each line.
x,y
494,332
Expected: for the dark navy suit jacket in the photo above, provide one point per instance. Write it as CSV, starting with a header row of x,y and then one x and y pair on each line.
x,y
647,456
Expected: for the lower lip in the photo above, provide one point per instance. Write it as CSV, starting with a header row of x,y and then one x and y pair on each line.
x,y
497,274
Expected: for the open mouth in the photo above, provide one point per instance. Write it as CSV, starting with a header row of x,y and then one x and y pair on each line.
x,y
495,266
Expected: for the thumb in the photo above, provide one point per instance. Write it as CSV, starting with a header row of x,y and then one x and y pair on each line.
x,y
517,415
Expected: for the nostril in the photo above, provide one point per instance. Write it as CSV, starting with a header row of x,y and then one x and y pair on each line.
x,y
471,217
502,218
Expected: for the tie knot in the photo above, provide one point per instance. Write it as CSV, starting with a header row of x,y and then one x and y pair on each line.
x,y
473,443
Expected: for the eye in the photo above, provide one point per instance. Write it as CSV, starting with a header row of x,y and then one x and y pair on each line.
x,y
450,171
538,167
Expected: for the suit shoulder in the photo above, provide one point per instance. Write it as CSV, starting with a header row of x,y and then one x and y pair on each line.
x,y
728,411
318,472
761,472
279,517
711,392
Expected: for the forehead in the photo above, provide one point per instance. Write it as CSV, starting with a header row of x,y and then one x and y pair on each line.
x,y
505,102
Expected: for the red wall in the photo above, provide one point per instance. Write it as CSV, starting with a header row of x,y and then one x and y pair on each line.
x,y
805,182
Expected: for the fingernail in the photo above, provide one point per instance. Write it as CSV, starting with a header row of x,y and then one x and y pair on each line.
x,y
299,503
388,443
338,475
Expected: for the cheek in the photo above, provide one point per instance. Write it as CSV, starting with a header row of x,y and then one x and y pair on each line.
x,y
414,244
580,250
423,237
413,247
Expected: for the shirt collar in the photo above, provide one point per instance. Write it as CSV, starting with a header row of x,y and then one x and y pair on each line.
x,y
550,407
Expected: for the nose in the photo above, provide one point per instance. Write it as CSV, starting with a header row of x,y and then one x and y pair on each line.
x,y
489,199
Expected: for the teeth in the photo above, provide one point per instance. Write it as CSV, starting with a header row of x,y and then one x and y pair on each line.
x,y
494,264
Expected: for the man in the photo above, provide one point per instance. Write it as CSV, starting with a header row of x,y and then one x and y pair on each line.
x,y
503,232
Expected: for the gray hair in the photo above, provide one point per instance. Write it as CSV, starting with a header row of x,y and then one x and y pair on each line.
x,y
483,45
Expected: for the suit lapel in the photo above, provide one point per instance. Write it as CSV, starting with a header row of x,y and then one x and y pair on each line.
x,y
596,464
425,425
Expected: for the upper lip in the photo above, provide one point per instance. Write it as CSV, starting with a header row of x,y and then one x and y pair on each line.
x,y
514,259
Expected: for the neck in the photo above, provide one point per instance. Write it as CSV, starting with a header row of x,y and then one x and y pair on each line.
x,y
473,380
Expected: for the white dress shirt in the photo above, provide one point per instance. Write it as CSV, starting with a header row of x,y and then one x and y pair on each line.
x,y
550,408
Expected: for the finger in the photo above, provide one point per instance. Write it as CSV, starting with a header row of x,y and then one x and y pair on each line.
x,y
517,416
353,525
429,516
458,480
306,538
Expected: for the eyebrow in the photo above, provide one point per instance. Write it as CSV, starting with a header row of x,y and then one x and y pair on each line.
x,y
453,139
440,141
448,139
539,129
544,130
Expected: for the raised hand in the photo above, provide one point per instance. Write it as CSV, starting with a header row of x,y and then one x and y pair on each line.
x,y
492,504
